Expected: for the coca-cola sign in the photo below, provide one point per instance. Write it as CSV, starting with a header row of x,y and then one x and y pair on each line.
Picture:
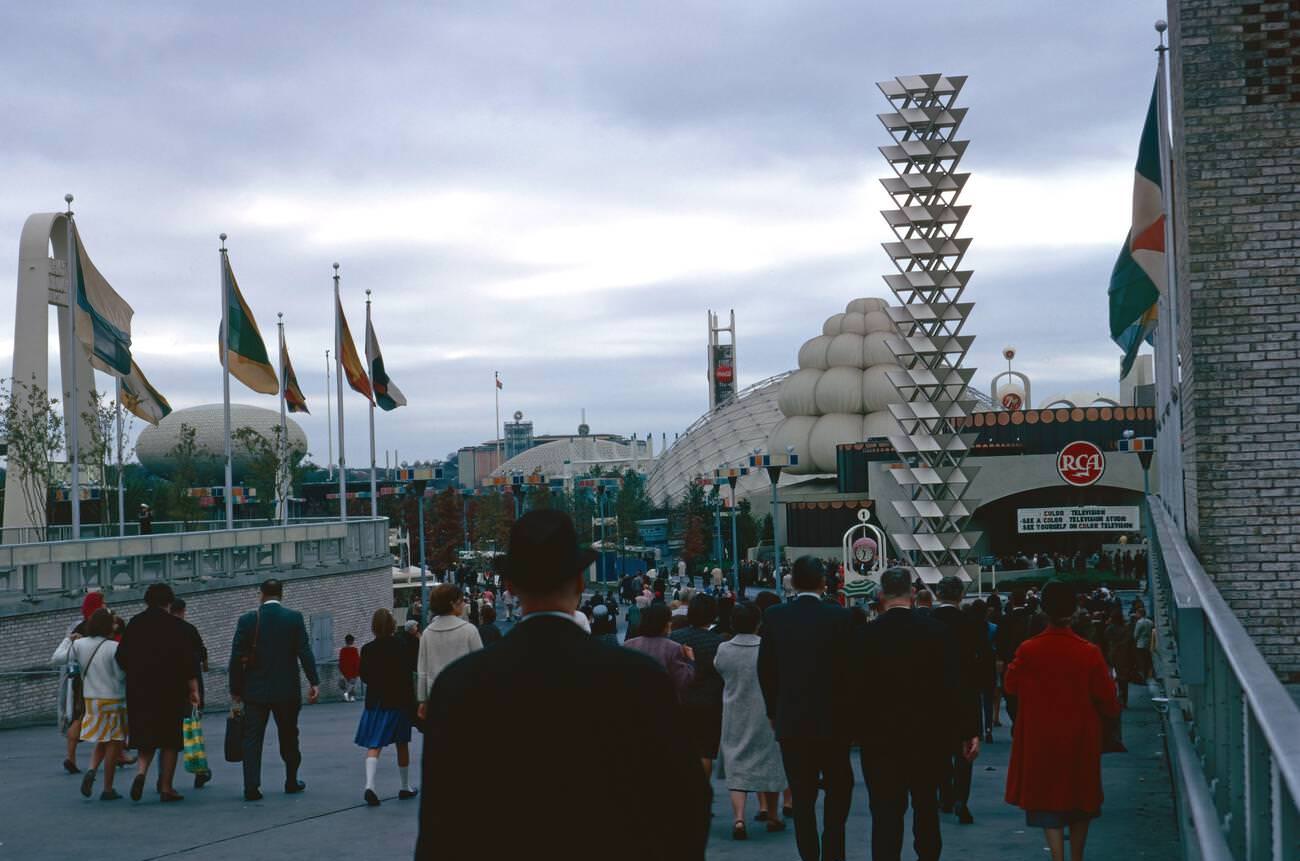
x,y
1081,463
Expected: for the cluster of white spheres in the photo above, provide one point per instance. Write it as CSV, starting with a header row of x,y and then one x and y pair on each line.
x,y
841,392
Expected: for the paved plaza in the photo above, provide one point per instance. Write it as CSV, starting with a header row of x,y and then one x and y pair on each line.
x,y
47,818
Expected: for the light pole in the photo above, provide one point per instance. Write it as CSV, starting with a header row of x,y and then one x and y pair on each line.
x,y
600,506
774,463
716,502
732,475
1145,448
418,486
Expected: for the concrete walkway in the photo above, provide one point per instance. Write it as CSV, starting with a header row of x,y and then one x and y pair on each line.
x,y
45,817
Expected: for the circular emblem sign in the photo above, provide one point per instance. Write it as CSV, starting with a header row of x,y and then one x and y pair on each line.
x,y
1081,463
723,373
1011,400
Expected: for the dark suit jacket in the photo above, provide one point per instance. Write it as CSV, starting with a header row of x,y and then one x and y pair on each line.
x,y
906,675
801,665
282,645
552,693
972,666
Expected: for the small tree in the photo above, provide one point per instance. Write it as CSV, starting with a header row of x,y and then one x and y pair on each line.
x,y
100,424
746,527
186,461
448,532
272,467
33,433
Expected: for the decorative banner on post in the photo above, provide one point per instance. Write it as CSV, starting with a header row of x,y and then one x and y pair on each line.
x,y
1083,518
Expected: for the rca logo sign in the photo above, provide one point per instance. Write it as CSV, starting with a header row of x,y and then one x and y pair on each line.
x,y
1081,463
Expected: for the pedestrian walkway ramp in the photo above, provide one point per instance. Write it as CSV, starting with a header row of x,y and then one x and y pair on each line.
x,y
1233,728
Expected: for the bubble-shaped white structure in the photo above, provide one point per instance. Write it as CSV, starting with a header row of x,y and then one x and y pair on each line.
x,y
841,392
155,446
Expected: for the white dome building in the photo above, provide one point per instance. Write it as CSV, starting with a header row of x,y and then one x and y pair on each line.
x,y
841,392
156,443
576,456
728,434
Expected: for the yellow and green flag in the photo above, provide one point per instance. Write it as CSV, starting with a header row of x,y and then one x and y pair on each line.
x,y
141,398
103,317
245,350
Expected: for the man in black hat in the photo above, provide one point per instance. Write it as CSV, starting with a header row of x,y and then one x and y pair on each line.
x,y
552,692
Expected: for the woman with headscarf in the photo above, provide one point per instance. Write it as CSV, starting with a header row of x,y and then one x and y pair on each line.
x,y
104,686
1064,688
72,707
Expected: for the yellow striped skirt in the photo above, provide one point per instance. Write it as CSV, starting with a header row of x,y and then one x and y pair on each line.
x,y
105,720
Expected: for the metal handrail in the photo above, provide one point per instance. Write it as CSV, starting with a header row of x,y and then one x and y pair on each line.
x,y
1245,725
33,572
89,531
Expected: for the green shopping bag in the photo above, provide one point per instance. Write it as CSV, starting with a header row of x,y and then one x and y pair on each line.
x,y
196,758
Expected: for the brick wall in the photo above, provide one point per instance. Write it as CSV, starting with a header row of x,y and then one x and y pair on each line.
x,y
28,686
1235,78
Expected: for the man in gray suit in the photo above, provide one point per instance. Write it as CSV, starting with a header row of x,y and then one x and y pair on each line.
x,y
270,644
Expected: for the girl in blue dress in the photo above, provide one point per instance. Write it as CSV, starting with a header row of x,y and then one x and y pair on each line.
x,y
388,671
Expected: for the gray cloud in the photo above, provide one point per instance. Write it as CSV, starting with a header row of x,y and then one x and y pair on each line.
x,y
559,192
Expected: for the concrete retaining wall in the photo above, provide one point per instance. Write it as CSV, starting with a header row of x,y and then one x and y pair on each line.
x,y
343,600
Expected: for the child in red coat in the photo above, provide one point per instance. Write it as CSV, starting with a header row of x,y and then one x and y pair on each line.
x,y
349,668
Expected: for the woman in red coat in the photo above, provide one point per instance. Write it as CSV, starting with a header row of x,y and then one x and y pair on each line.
x,y
1064,688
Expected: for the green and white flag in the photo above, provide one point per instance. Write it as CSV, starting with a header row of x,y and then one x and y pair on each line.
x,y
103,317
245,349
387,395
1139,276
141,398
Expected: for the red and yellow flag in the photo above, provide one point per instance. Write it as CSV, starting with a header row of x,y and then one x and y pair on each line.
x,y
353,368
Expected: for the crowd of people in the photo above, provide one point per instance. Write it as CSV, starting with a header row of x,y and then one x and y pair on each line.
x,y
1128,563
770,694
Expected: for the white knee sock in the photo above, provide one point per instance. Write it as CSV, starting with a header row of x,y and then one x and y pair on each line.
x,y
405,772
372,765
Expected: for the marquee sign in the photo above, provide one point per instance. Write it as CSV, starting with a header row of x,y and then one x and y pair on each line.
x,y
1083,518
1081,463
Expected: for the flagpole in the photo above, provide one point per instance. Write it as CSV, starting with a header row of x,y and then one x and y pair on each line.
x,y
329,417
225,379
1170,478
121,485
74,443
338,379
496,391
282,476
374,493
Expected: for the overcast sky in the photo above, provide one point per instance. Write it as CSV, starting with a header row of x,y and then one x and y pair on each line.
x,y
560,191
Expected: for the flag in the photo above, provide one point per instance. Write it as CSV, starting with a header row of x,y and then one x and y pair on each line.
x,y
387,395
1139,276
352,367
141,398
103,317
293,396
245,349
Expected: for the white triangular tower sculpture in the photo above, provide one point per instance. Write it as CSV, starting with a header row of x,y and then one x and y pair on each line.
x,y
933,402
